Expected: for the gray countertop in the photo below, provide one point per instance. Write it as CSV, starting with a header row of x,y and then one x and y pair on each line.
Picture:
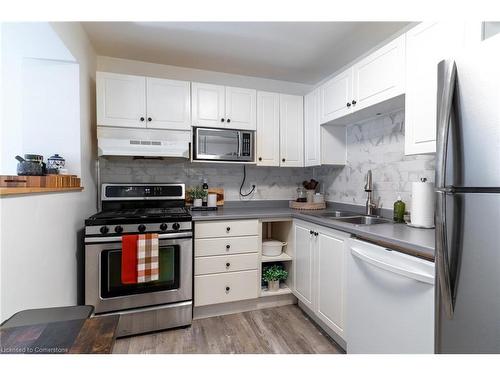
x,y
401,237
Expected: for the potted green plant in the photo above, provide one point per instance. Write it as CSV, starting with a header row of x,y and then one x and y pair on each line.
x,y
197,194
272,275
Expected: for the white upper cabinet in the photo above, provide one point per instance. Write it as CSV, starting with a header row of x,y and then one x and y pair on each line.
x,y
312,128
208,105
168,104
291,131
241,108
379,76
426,45
268,129
336,96
223,107
121,100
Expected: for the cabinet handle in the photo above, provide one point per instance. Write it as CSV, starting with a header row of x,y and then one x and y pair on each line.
x,y
150,119
228,229
222,120
228,264
228,120
260,159
142,119
348,104
283,160
228,247
227,289
316,234
311,232
354,102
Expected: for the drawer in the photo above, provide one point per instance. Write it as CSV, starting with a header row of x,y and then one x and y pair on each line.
x,y
225,287
226,246
225,263
226,228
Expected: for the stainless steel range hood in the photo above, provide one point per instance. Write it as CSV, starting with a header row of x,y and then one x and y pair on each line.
x,y
143,142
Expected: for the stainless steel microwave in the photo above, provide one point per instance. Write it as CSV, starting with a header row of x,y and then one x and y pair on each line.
x,y
223,144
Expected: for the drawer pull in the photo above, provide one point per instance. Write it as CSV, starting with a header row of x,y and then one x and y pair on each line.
x,y
227,289
228,247
228,264
228,229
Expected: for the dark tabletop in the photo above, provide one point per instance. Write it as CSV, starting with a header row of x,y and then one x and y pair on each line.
x,y
93,336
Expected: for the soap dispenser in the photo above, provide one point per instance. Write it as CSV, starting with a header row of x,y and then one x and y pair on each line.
x,y
399,210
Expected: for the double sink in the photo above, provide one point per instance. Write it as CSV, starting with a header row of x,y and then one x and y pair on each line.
x,y
352,218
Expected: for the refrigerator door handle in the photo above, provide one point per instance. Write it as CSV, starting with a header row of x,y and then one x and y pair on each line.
x,y
447,71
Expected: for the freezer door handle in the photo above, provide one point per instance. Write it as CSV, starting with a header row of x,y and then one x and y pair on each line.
x,y
406,272
442,261
447,72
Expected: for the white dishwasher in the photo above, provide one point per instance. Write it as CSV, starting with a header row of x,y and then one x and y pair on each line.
x,y
390,301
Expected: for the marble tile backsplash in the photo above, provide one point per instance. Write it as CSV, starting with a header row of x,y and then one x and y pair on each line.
x,y
272,183
377,145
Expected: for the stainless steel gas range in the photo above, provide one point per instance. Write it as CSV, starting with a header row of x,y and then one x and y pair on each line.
x,y
135,209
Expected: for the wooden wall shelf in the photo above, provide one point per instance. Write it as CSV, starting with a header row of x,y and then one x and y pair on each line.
x,y
10,191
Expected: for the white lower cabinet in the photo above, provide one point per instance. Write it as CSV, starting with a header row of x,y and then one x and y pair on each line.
x,y
319,269
226,263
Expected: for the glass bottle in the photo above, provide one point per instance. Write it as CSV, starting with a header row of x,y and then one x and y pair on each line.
x,y
399,210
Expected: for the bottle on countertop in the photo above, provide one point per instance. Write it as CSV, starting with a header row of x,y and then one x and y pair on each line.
x,y
205,189
399,210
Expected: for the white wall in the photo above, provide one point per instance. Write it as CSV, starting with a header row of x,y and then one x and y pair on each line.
x,y
124,66
39,232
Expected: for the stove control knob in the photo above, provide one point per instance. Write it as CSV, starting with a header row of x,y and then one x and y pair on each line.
x,y
176,226
163,227
104,230
141,228
118,229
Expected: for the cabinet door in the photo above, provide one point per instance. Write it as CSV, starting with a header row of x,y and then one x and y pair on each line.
x,y
426,45
208,105
168,104
330,281
291,131
312,127
268,129
380,76
121,100
241,108
336,97
303,265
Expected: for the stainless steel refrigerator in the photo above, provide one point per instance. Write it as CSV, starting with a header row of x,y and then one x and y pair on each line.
x,y
468,202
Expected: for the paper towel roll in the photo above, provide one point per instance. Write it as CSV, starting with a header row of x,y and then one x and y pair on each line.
x,y
422,204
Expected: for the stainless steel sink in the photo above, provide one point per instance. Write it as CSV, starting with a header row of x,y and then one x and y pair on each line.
x,y
363,220
335,214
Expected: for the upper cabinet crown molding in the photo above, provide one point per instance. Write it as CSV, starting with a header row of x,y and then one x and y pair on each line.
x,y
142,102
223,107
426,45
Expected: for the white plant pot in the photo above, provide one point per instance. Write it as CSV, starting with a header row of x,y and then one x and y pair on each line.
x,y
197,202
273,286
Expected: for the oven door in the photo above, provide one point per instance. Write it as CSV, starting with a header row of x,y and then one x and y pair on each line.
x,y
103,287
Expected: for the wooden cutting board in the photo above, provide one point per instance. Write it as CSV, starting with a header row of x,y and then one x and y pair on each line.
x,y
49,181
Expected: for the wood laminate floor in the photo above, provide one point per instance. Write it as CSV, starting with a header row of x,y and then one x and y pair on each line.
x,y
285,330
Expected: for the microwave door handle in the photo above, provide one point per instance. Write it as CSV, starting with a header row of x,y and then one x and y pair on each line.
x,y
240,136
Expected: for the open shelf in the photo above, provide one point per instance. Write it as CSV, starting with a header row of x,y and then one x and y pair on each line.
x,y
280,258
284,289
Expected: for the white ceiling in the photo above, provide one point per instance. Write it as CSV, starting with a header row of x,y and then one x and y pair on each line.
x,y
304,52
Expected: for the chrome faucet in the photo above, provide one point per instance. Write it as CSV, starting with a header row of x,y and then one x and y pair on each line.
x,y
370,204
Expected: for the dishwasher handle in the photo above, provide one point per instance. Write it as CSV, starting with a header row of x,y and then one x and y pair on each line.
x,y
419,276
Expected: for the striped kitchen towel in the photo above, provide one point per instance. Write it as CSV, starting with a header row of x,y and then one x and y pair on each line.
x,y
147,257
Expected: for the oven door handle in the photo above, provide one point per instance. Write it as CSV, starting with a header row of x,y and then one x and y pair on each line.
x,y
162,236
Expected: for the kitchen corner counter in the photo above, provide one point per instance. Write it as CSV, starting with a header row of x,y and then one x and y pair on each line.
x,y
400,237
